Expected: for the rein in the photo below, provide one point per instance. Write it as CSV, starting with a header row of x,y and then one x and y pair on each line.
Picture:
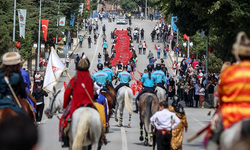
x,y
50,110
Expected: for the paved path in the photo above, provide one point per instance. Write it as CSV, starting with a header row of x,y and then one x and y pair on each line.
x,y
121,138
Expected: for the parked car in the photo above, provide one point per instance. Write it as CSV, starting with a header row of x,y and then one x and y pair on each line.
x,y
121,20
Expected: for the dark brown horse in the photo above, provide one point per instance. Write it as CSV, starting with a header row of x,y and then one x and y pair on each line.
x,y
148,105
110,103
6,113
112,93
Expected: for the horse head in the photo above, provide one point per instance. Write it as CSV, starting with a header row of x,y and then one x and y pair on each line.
x,y
51,108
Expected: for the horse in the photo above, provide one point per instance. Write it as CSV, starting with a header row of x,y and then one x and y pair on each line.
x,y
161,94
124,95
85,128
148,105
6,113
112,93
110,103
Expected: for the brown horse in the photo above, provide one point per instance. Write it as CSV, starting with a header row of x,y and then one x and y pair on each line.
x,y
148,105
6,113
110,103
112,93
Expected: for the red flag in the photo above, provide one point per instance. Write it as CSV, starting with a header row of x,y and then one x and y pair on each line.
x,y
139,73
65,85
185,37
45,25
155,47
87,4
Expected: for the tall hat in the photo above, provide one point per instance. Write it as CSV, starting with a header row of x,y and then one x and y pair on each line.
x,y
242,46
83,64
11,58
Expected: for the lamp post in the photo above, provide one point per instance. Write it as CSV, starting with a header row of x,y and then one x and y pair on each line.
x,y
57,24
39,31
190,44
14,25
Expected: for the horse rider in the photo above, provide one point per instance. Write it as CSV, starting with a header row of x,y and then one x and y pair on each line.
x,y
160,77
109,72
148,83
234,97
118,70
101,77
101,99
124,78
11,69
80,97
164,121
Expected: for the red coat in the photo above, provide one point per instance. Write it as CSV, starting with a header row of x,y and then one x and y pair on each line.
x,y
80,97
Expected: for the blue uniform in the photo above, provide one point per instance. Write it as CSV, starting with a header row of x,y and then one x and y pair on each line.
x,y
148,82
109,72
124,77
100,77
102,100
160,76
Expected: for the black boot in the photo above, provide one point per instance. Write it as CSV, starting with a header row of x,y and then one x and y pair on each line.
x,y
65,140
136,107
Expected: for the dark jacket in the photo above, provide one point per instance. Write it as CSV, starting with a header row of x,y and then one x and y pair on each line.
x,y
39,94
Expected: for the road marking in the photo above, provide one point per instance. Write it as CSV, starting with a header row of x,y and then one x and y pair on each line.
x,y
124,139
98,41
198,122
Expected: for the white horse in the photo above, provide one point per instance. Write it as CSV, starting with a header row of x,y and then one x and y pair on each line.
x,y
85,128
161,94
124,95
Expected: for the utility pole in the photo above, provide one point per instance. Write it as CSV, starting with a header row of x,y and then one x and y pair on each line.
x,y
14,25
97,9
207,64
57,24
177,44
39,30
146,10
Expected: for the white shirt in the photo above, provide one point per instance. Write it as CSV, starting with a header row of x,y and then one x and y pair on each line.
x,y
202,90
37,76
162,120
144,45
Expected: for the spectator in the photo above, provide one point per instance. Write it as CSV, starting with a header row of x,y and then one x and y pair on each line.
x,y
144,46
197,94
80,39
38,79
83,55
77,58
210,88
67,60
99,58
150,55
90,28
194,64
158,52
39,94
140,45
183,64
202,95
174,66
89,41
191,94
106,56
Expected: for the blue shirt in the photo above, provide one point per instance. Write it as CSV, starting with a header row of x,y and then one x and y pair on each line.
x,y
159,49
148,82
101,77
101,100
105,44
124,77
109,72
160,76
152,60
26,77
167,79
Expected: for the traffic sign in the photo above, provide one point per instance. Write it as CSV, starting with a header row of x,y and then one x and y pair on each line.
x,y
170,37
188,60
176,49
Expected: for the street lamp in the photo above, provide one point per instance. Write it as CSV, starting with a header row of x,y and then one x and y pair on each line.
x,y
190,44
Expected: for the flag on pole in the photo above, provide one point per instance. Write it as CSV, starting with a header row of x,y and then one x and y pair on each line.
x,y
155,47
87,4
185,37
45,25
22,21
54,69
62,21
72,19
173,21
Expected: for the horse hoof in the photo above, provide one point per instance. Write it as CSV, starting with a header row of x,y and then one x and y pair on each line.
x,y
128,126
145,143
150,144
116,119
141,138
119,125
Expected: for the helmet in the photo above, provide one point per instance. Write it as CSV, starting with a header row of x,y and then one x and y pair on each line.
x,y
158,66
106,63
125,66
149,67
99,66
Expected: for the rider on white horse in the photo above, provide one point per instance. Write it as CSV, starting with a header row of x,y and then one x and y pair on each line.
x,y
124,78
109,72
160,77
148,82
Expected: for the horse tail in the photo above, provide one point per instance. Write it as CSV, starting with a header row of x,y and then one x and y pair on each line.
x,y
128,102
82,130
148,112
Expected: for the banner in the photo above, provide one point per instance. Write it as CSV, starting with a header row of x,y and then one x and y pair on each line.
x,y
45,25
81,8
54,69
62,21
173,21
72,19
22,21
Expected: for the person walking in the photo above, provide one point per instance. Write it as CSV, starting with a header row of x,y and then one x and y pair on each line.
x,y
103,29
90,29
142,34
196,94
77,58
174,66
144,46
164,121
80,39
150,56
39,94
105,47
158,52
95,38
67,60
89,41
104,37
99,58
140,47
202,95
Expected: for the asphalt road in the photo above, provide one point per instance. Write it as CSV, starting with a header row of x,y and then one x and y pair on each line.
x,y
121,137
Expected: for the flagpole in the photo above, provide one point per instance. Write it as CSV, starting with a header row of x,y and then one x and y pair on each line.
x,y
14,25
39,30
57,23
68,74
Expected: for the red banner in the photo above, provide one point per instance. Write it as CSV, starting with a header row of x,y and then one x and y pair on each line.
x,y
45,25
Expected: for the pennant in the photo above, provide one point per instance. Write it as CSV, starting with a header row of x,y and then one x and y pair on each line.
x,y
155,47
173,20
22,21
65,85
45,25
62,21
72,19
167,48
54,69
87,4
185,37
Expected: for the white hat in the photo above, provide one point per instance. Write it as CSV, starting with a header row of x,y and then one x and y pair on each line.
x,y
98,87
11,58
